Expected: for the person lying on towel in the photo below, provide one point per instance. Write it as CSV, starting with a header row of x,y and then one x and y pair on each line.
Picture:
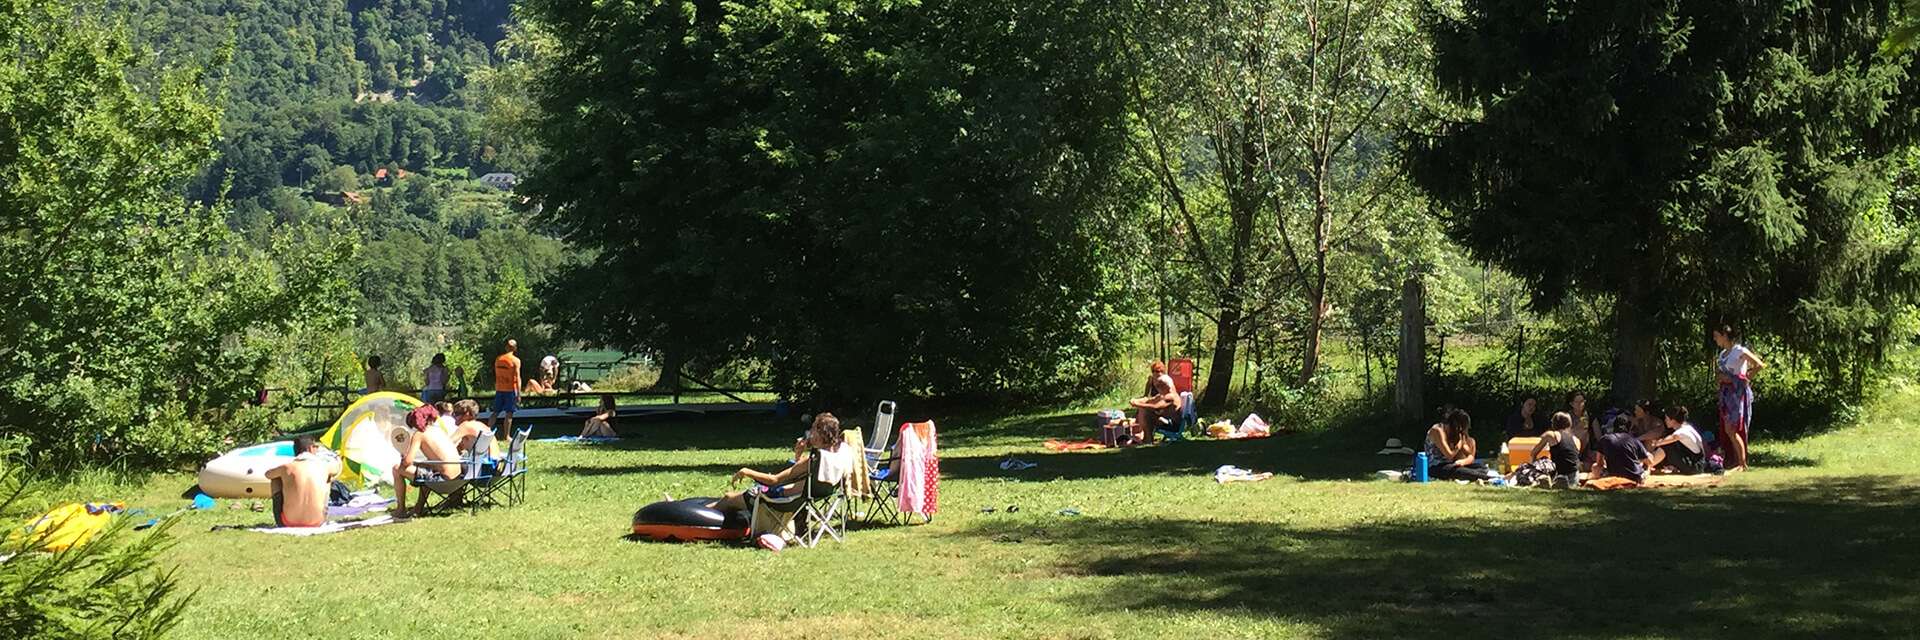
x,y
836,459
1619,454
300,487
427,444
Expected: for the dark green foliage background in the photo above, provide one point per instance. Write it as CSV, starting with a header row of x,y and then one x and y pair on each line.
x,y
869,197
1691,164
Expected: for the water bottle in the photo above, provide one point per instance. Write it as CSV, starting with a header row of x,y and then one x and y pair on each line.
x,y
1420,467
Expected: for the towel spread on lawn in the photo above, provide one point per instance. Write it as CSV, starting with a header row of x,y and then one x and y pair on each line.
x,y
580,440
358,505
1229,473
1611,483
1062,445
330,527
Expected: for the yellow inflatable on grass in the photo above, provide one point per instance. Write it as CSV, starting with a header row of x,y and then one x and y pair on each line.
x,y
370,435
69,526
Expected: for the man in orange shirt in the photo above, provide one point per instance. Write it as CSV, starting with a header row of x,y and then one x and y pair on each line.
x,y
506,387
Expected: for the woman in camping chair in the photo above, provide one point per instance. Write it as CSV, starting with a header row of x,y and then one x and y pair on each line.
x,y
824,436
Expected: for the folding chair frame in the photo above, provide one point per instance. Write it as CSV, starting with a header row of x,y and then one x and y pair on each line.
x,y
819,520
508,481
456,491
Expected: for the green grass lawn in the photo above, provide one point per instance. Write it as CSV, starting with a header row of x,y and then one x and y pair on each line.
x,y
1818,543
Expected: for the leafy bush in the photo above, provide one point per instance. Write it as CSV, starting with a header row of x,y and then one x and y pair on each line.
x,y
129,315
111,587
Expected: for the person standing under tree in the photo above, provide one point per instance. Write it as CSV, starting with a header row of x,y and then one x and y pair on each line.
x,y
1733,365
376,381
435,389
506,388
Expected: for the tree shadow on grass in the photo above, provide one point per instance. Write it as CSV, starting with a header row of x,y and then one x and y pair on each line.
x,y
588,471
1777,459
1329,455
1830,558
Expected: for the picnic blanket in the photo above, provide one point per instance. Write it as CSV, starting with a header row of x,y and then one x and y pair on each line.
x,y
1611,483
580,440
334,526
1702,480
1062,445
359,505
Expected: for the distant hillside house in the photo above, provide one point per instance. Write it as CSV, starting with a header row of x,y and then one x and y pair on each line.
x,y
338,198
501,181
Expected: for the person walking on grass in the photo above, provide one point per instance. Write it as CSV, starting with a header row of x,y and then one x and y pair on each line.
x,y
1733,365
506,388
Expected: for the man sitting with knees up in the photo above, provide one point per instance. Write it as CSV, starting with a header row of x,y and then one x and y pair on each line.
x,y
1160,408
1683,450
426,444
300,487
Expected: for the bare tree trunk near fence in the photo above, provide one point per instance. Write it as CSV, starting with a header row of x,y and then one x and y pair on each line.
x,y
1411,376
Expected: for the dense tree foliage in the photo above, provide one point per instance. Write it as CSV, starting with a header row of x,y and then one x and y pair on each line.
x,y
131,320
313,85
1695,163
866,195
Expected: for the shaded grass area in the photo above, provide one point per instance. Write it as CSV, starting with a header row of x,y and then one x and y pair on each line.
x,y
1815,545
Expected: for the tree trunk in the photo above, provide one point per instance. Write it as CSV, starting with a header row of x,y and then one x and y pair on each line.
x,y
1316,326
1244,197
1226,346
670,366
1317,289
1410,380
1635,351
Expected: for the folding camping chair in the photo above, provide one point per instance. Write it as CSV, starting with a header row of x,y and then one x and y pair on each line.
x,y
1185,423
898,477
457,492
506,485
879,504
819,508
858,487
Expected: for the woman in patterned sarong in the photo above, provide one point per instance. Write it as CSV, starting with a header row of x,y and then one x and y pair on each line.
x,y
1733,365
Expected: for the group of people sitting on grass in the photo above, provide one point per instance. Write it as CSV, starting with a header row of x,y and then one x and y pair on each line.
x,y
1573,444
302,487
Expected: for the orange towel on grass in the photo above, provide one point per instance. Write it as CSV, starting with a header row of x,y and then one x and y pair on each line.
x,y
1061,445
1610,483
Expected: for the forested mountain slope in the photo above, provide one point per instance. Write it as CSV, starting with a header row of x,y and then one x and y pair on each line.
x,y
369,98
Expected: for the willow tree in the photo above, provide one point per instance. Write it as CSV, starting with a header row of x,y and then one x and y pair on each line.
x,y
1269,126
1693,162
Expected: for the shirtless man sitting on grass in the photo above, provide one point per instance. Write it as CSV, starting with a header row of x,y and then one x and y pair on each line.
x,y
427,444
300,487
